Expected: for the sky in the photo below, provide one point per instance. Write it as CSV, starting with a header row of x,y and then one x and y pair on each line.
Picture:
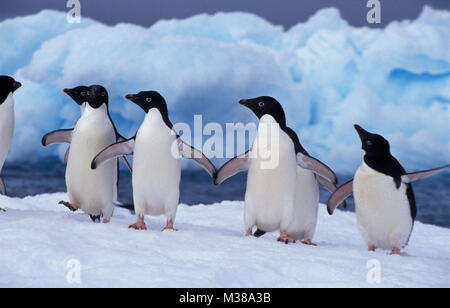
x,y
286,12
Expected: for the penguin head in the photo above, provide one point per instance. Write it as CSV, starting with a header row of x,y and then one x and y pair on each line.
x,y
148,100
265,105
78,94
7,85
97,96
373,145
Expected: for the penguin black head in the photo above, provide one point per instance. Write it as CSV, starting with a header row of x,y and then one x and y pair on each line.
x,y
7,85
148,100
373,145
97,96
266,105
151,99
78,94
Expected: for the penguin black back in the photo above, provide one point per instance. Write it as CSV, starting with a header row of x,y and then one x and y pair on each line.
x,y
378,157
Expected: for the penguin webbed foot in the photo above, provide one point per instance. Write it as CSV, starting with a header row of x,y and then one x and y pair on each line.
x,y
68,205
309,242
2,210
285,238
169,226
139,224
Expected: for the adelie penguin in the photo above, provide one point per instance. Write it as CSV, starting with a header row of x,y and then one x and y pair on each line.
x,y
384,198
7,88
284,195
156,150
94,192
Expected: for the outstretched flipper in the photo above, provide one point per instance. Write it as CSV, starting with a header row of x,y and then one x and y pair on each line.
x,y
315,165
114,150
2,186
330,187
57,136
412,177
120,138
232,167
190,152
339,196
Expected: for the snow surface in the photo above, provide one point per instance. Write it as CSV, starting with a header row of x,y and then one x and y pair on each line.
x,y
39,237
327,74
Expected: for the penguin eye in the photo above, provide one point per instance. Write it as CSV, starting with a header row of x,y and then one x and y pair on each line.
x,y
103,93
88,93
148,99
369,143
261,104
83,93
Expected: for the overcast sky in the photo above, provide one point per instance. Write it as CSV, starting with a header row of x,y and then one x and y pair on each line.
x,y
281,12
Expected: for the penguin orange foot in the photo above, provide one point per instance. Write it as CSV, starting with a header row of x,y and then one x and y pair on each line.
x,y
395,251
71,207
139,224
169,226
285,238
309,242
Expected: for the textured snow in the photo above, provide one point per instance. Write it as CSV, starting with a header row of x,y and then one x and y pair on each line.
x,y
38,238
327,74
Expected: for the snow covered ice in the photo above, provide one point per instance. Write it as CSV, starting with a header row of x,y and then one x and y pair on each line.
x,y
39,238
327,74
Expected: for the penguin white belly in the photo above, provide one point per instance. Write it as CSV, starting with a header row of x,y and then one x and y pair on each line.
x,y
382,210
156,171
92,190
6,127
304,222
270,194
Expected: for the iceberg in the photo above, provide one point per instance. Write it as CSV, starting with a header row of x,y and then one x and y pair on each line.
x,y
327,74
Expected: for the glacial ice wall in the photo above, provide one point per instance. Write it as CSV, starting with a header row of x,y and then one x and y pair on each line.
x,y
327,74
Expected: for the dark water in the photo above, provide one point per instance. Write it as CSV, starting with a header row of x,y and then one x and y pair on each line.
x,y
432,194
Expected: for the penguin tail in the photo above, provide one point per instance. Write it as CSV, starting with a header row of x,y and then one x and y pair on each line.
x,y
259,233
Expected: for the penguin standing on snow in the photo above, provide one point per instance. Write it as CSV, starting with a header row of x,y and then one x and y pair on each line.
x,y
92,191
7,88
281,196
384,198
156,150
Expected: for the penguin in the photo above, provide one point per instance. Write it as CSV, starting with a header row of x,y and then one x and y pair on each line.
x,y
383,194
156,150
7,88
283,196
94,192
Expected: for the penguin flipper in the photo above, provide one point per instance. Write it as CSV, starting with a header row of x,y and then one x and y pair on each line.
x,y
57,136
339,196
66,156
114,150
190,152
232,167
330,187
412,177
2,186
124,159
315,165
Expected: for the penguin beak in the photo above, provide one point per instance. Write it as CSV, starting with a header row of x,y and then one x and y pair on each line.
x,y
16,85
130,97
67,91
363,134
243,102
